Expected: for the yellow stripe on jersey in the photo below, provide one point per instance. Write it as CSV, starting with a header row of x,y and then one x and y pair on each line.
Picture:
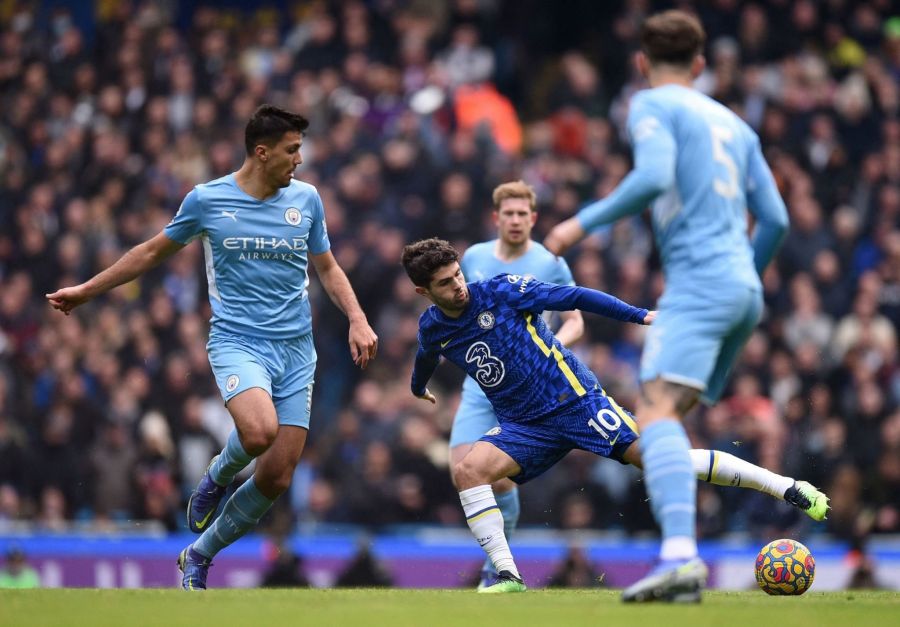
x,y
552,350
623,415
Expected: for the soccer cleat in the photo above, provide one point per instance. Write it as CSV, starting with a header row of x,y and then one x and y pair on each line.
x,y
488,579
672,581
506,582
204,501
194,567
808,498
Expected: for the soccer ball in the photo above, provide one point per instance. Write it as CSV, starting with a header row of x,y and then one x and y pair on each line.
x,y
785,567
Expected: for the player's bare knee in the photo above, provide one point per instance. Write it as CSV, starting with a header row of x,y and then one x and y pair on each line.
x,y
257,440
661,399
502,486
467,475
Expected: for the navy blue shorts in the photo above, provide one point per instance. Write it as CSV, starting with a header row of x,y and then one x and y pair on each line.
x,y
598,425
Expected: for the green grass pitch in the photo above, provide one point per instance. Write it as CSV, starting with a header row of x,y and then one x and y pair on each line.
x,y
435,608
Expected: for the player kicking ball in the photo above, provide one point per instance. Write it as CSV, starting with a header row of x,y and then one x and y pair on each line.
x,y
547,402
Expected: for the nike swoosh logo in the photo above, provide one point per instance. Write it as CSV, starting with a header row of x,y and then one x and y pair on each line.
x,y
615,439
201,524
444,344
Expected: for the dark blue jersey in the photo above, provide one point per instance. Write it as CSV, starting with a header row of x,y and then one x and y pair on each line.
x,y
502,342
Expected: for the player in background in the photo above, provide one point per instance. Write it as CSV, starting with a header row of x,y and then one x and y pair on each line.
x,y
259,228
701,167
547,402
513,252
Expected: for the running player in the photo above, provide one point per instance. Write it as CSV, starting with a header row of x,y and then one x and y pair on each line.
x,y
259,227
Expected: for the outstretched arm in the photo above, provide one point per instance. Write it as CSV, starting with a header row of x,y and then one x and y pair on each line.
x,y
653,174
766,205
528,294
363,341
131,265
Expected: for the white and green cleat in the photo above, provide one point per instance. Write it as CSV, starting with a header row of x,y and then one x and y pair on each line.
x,y
672,581
806,497
506,582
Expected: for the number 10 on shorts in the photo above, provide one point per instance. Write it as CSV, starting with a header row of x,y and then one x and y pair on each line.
x,y
607,421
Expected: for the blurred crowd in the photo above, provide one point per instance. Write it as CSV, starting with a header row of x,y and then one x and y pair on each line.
x,y
418,109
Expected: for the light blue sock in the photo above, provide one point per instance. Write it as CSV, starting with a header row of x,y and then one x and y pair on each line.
x,y
510,508
672,486
241,514
231,461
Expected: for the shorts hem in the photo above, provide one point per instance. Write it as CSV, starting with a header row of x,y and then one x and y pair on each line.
x,y
678,379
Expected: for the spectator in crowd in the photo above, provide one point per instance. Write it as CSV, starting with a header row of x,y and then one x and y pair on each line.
x,y
17,573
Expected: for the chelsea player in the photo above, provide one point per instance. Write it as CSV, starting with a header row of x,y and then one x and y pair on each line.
x,y
701,168
259,228
513,252
546,401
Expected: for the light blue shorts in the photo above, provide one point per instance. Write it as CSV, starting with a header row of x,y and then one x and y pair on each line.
x,y
473,419
698,335
283,368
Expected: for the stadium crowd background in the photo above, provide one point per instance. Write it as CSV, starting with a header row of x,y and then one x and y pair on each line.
x,y
418,109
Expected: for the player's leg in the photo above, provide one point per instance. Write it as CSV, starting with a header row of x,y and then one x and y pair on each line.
x,y
244,380
473,476
475,417
244,508
506,493
724,469
293,364
671,486
680,354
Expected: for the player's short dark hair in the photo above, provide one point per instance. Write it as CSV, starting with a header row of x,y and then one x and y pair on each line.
x,y
673,37
423,258
268,124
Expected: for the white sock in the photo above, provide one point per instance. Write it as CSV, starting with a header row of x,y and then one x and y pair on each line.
x,y
486,524
725,469
678,548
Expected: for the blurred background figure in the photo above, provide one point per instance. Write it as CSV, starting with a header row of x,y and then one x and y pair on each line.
x,y
575,571
16,572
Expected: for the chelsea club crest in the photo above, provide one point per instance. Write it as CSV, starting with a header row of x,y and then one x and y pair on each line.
x,y
486,320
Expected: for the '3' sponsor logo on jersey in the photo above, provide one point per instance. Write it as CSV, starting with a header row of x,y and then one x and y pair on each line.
x,y
490,369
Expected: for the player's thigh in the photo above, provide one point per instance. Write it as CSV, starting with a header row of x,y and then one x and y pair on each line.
x,y
535,447
485,463
685,340
474,417
275,467
601,427
239,367
731,349
254,418
293,387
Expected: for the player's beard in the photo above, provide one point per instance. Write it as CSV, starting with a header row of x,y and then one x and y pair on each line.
x,y
453,304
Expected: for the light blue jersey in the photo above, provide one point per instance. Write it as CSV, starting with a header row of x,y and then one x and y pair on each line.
x,y
701,168
475,415
256,254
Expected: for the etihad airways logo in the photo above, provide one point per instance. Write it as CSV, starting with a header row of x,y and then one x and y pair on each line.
x,y
274,248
